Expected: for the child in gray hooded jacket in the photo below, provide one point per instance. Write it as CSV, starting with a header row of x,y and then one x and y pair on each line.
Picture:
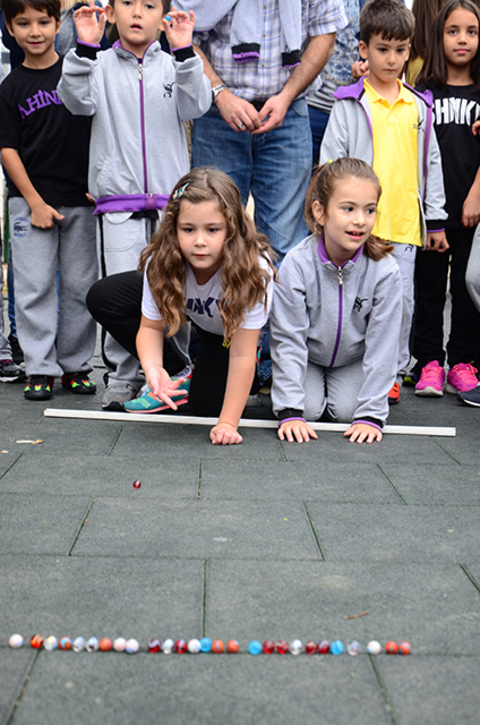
x,y
138,96
336,312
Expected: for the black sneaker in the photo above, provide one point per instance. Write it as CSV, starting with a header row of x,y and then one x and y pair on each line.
x,y
10,372
17,352
470,397
39,387
78,383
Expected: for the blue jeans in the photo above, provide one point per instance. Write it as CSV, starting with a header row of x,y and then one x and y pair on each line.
x,y
275,167
318,124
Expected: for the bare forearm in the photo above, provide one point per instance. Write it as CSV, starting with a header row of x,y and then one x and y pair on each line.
x,y
239,382
14,167
314,59
149,343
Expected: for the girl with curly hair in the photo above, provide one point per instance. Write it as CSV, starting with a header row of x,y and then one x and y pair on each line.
x,y
206,263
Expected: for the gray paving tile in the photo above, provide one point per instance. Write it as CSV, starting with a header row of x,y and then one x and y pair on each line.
x,y
103,475
7,459
433,606
109,597
436,485
31,524
142,438
393,448
62,436
463,448
14,666
397,533
232,529
202,689
260,479
433,690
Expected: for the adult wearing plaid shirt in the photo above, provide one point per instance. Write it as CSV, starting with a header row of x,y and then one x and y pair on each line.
x,y
257,129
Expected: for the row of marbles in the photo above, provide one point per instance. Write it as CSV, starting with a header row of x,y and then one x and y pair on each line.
x,y
194,646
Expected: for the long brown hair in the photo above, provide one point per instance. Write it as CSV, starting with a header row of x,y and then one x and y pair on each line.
x,y
434,73
425,12
322,186
244,282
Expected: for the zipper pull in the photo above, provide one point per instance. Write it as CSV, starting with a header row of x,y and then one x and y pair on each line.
x,y
140,72
340,277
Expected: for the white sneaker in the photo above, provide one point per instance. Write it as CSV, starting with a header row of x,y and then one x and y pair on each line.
x,y
116,394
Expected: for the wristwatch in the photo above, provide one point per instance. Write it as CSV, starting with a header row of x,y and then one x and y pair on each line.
x,y
218,89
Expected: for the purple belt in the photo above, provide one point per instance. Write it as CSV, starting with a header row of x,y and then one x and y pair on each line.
x,y
130,203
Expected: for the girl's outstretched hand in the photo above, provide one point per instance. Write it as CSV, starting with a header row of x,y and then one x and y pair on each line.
x,y
296,430
90,23
224,434
363,433
178,27
162,385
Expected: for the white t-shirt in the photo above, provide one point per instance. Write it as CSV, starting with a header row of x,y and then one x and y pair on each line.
x,y
202,302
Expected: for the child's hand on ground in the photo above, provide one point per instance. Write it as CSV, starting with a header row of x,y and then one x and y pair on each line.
x,y
296,430
178,27
476,128
90,23
162,385
224,434
359,69
363,433
43,216
437,242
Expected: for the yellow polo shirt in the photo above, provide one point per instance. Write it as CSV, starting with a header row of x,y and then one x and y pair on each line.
x,y
395,157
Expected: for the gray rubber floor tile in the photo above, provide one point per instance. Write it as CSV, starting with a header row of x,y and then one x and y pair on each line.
x,y
37,524
433,690
14,665
103,475
473,568
66,437
108,597
299,480
436,485
433,606
463,448
397,533
232,529
204,689
393,448
7,459
141,438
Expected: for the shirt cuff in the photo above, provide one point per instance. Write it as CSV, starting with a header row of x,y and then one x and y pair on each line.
x,y
435,225
184,53
290,414
87,50
370,421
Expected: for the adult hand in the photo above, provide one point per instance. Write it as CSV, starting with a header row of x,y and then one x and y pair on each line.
x,y
272,113
437,242
237,112
162,386
363,433
43,216
297,430
178,26
90,23
224,434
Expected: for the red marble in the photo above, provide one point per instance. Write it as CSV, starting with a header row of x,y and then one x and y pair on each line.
x,y
137,484
233,646
404,648
36,641
154,645
180,646
105,644
324,647
268,647
311,647
217,646
282,647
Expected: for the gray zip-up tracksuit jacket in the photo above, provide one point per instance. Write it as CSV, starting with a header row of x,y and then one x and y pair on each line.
x,y
331,317
138,149
349,132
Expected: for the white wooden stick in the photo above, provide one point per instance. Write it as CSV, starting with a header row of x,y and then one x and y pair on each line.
x,y
244,422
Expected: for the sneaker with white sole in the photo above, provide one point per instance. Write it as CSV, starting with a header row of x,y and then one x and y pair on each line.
x,y
461,378
117,394
431,380
148,403
10,372
470,397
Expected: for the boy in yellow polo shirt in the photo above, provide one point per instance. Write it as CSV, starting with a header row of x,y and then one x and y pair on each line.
x,y
389,125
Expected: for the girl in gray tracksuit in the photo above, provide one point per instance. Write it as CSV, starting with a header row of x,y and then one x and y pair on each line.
x,y
336,312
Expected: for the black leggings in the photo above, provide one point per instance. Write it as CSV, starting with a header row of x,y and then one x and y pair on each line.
x,y
116,301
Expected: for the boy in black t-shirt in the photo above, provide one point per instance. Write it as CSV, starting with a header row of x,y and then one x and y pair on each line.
x,y
45,152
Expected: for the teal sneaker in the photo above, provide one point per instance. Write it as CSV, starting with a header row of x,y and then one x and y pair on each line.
x,y
148,403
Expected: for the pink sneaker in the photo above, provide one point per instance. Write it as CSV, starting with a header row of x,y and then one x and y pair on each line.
x,y
431,380
462,377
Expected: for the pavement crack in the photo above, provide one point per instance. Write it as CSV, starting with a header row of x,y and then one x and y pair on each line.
x,y
470,576
85,518
404,500
116,440
314,532
445,451
200,474
23,688
383,691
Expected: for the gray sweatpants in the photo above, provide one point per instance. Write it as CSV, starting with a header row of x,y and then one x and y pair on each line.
x,y
404,255
121,240
472,277
55,329
335,389
5,349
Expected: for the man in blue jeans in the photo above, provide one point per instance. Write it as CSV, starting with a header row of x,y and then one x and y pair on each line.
x,y
262,58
